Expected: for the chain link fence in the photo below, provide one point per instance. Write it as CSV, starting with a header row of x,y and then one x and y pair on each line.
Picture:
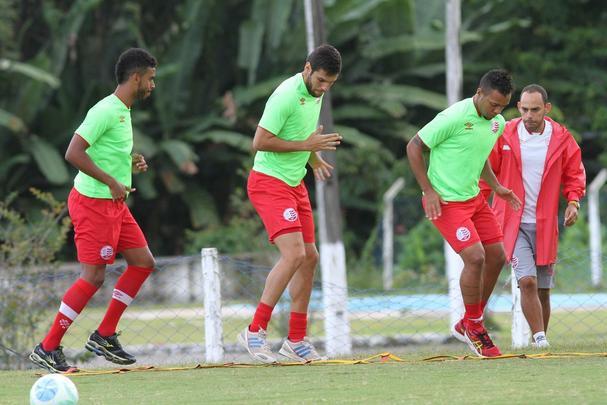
x,y
166,322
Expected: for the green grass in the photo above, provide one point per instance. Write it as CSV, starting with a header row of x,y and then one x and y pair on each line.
x,y
510,381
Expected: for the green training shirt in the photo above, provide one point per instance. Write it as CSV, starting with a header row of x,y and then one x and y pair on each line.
x,y
460,141
291,113
107,129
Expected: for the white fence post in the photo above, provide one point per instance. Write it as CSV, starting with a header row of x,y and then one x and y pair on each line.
x,y
335,300
388,231
454,265
454,76
520,328
594,225
332,251
213,327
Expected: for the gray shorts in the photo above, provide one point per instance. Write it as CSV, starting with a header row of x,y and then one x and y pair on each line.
x,y
523,259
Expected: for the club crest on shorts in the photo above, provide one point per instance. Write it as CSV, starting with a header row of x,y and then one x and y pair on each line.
x,y
290,214
462,234
514,262
495,126
106,252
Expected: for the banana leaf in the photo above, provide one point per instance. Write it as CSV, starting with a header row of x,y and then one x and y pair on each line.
x,y
48,159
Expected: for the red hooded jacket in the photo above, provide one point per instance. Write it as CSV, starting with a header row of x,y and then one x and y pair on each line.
x,y
563,167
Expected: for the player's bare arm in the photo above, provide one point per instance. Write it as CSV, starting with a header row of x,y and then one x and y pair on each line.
x,y
77,156
415,155
500,191
266,141
322,169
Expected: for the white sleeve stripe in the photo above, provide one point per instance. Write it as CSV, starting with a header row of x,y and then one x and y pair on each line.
x,y
68,311
122,297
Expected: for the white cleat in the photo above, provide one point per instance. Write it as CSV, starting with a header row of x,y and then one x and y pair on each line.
x,y
540,344
300,351
257,345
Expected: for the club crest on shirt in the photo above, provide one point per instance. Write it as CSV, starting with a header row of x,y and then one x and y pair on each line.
x,y
462,234
290,214
495,126
121,118
302,101
106,252
468,125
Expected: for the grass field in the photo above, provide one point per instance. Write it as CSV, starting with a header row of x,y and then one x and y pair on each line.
x,y
504,381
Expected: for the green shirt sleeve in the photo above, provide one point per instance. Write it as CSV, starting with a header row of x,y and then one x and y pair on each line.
x,y
437,130
94,125
277,111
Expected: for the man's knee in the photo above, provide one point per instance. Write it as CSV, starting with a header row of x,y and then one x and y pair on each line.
x,y
495,255
474,258
149,263
295,257
498,258
528,284
139,257
312,258
95,278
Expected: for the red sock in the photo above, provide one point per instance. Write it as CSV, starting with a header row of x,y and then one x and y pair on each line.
x,y
261,318
74,300
125,290
473,315
483,305
297,326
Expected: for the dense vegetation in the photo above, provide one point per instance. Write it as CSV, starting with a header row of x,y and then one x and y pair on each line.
x,y
218,62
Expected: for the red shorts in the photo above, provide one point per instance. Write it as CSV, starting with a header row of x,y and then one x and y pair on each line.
x,y
464,223
282,208
102,227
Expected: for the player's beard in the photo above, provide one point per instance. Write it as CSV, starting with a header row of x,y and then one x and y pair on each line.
x,y
308,83
142,93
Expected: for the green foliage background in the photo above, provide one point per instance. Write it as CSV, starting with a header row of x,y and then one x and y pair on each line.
x,y
219,61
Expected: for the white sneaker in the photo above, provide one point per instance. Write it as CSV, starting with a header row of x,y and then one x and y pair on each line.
x,y
257,345
540,344
300,351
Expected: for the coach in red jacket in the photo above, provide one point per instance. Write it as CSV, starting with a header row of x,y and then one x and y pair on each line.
x,y
536,158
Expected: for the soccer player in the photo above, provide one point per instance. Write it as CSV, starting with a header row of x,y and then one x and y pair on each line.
x,y
536,157
286,140
103,225
460,139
